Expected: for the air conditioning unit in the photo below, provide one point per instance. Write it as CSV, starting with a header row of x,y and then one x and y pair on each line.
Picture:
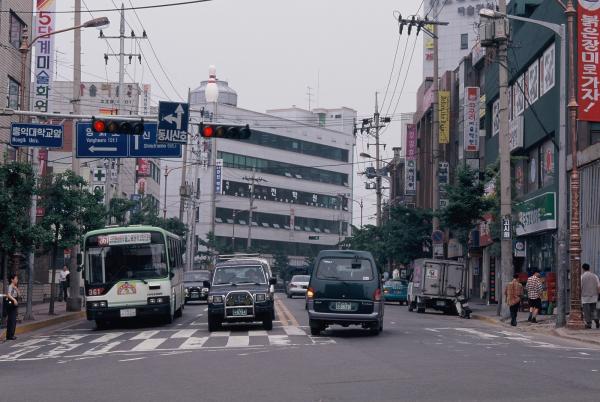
x,y
487,33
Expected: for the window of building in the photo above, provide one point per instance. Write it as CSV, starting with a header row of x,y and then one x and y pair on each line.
x,y
282,169
594,137
16,30
464,41
14,90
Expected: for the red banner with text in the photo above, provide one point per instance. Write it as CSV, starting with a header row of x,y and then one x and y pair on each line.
x,y
588,88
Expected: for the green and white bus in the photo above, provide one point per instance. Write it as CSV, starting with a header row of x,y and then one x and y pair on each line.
x,y
133,271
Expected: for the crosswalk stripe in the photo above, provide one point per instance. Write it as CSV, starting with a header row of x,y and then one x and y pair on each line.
x,y
292,330
257,332
29,342
193,342
238,341
101,349
279,340
219,333
107,337
148,344
21,352
144,335
184,333
59,350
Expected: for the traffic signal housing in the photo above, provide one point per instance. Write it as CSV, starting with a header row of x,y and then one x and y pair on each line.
x,y
112,126
234,132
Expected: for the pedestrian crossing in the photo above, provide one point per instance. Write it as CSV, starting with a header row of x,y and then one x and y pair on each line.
x,y
95,344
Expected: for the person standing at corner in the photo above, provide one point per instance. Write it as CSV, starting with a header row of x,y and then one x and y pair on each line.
x,y
512,295
534,292
63,277
13,296
590,286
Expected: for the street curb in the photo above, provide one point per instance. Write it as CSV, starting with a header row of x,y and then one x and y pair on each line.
x,y
486,319
559,332
35,325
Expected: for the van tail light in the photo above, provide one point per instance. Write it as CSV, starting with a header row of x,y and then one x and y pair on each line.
x,y
377,295
310,293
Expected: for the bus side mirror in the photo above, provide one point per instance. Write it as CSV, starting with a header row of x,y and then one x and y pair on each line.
x,y
79,259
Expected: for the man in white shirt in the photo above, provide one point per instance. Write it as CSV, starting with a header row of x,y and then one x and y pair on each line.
x,y
63,277
590,286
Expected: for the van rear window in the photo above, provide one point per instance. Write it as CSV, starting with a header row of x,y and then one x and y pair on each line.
x,y
345,269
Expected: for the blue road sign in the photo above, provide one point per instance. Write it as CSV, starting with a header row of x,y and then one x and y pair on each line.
x,y
173,122
146,146
36,135
100,145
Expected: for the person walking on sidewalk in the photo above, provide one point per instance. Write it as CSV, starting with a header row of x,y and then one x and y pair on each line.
x,y
534,293
590,286
12,306
63,278
512,295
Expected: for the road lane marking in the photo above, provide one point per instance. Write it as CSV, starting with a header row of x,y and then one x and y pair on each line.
x,y
148,344
257,332
107,337
132,359
220,333
144,335
279,340
18,353
101,349
293,330
238,341
477,333
59,350
193,342
184,333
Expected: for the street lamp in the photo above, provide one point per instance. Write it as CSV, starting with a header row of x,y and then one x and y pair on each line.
x,y
559,29
366,155
24,50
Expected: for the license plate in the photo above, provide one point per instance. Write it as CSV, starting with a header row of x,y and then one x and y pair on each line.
x,y
440,303
128,312
195,296
238,312
342,306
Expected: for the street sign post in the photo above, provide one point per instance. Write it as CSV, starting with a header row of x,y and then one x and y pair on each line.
x,y
146,145
100,145
36,135
173,122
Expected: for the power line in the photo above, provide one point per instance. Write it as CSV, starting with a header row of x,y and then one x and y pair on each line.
x,y
116,9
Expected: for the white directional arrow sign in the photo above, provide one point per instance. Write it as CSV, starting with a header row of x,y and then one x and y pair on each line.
x,y
179,112
94,148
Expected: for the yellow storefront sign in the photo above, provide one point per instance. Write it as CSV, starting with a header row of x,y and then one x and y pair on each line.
x,y
444,103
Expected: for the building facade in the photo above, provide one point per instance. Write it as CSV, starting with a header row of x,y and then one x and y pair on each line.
x,y
15,19
295,172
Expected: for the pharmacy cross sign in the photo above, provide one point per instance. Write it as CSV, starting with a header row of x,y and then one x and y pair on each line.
x,y
100,175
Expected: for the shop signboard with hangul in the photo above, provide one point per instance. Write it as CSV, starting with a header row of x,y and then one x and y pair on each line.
x,y
588,36
44,21
471,119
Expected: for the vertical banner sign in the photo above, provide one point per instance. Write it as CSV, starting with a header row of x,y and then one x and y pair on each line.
x,y
44,51
146,99
471,119
444,102
219,176
587,80
410,167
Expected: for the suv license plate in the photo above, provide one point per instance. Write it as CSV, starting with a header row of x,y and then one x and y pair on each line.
x,y
128,312
238,312
342,306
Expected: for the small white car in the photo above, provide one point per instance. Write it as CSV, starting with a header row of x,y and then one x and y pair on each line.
x,y
297,286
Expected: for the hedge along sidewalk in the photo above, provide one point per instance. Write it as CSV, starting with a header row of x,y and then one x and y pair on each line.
x,y
41,318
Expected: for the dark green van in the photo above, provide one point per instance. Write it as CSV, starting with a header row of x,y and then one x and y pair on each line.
x,y
345,289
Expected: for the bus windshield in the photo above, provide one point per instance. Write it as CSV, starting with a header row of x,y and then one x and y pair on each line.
x,y
145,259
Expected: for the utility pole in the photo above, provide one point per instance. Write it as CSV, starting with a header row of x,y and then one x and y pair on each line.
x,y
506,268
183,188
377,163
253,180
431,29
233,231
74,301
121,93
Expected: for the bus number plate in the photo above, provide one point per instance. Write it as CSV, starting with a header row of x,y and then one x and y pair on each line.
x,y
128,312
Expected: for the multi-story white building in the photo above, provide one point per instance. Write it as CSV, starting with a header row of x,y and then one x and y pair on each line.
x,y
12,26
302,172
130,175
456,39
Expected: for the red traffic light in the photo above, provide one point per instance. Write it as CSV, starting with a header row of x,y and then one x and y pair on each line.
x,y
112,126
98,126
231,132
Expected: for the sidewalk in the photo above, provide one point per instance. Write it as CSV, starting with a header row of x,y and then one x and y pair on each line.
x,y
546,324
41,318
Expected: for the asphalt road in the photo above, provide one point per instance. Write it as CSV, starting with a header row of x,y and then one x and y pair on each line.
x,y
418,357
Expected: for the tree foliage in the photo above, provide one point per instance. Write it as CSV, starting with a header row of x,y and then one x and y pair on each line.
x,y
17,185
70,210
280,262
400,239
118,209
466,205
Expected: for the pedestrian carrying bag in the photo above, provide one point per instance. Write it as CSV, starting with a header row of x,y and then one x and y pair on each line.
x,y
7,304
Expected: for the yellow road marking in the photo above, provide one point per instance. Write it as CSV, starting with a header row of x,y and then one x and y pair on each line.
x,y
291,317
280,314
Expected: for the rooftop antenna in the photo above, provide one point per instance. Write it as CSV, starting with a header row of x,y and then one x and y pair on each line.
x,y
310,95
